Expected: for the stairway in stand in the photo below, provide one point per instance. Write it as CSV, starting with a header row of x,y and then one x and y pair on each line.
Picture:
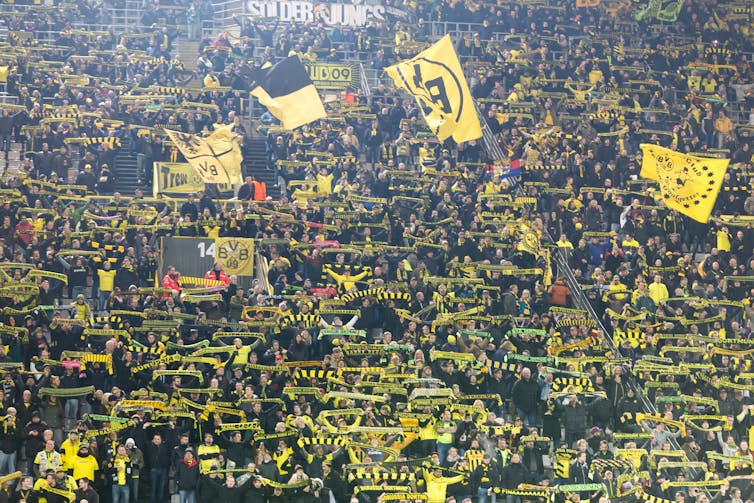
x,y
13,161
255,164
187,51
125,170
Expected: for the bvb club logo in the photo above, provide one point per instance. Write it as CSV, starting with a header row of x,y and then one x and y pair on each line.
x,y
436,93
233,254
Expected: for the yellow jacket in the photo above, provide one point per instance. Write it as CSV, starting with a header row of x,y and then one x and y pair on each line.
x,y
658,292
438,486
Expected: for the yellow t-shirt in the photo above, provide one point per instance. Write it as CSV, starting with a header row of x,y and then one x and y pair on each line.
x,y
242,355
630,243
723,241
69,450
106,280
84,467
445,438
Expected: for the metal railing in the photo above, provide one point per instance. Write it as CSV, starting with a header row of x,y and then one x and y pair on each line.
x,y
262,271
365,88
223,18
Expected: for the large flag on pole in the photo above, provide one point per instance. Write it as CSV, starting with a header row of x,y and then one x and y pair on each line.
x,y
217,158
223,139
288,93
435,78
688,183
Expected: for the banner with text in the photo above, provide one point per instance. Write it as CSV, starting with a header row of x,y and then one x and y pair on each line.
x,y
334,75
347,14
180,179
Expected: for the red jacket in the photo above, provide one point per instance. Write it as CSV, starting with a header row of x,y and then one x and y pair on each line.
x,y
22,226
169,282
218,276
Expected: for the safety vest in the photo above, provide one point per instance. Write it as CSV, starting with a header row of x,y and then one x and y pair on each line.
x,y
260,191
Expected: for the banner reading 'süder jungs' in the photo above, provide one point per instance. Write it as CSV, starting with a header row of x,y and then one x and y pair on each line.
x,y
346,14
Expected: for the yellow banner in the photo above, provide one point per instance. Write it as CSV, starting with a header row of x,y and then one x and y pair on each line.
x,y
435,78
236,255
179,179
688,184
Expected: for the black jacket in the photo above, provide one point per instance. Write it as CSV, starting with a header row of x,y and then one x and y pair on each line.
x,y
34,443
158,456
526,394
89,495
188,208
208,490
513,475
246,192
574,418
485,476
8,438
579,473
187,476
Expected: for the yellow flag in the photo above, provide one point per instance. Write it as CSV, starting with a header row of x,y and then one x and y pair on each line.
x,y
224,141
435,78
236,255
688,183
529,243
216,159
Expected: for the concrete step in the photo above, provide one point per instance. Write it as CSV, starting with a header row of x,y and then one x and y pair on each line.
x,y
187,51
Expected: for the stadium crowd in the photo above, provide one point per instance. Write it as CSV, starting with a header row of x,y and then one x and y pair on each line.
x,y
414,335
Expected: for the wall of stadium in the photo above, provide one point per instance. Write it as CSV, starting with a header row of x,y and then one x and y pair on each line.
x,y
191,257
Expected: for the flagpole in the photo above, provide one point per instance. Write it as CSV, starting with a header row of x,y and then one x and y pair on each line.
x,y
490,142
